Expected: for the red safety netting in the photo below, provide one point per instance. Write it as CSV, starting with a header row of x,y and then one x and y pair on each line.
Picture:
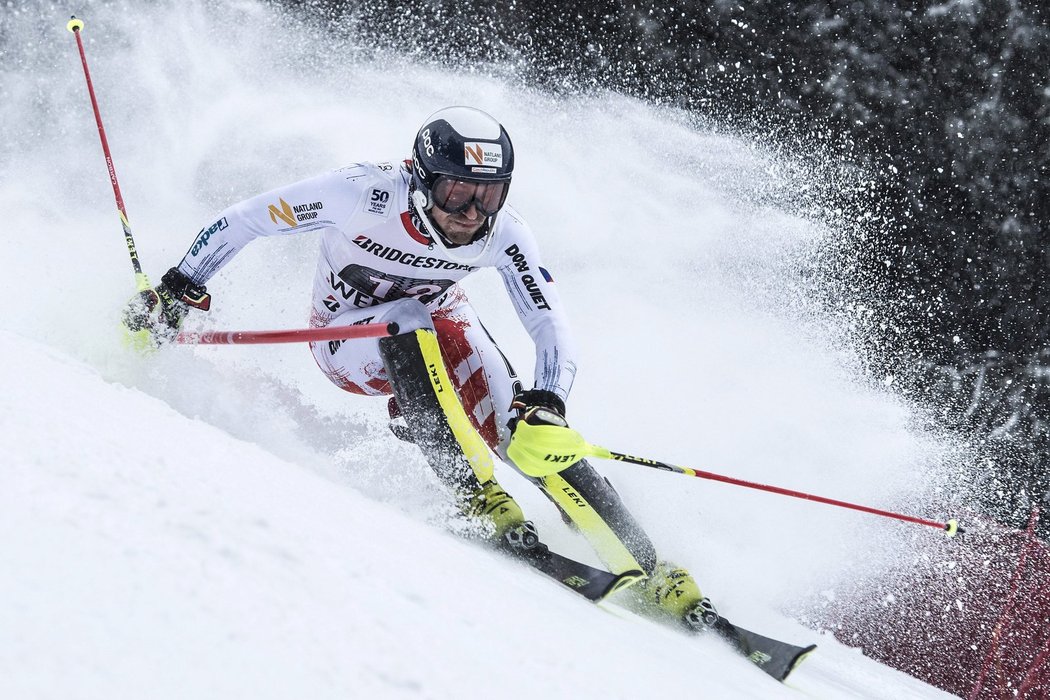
x,y
970,617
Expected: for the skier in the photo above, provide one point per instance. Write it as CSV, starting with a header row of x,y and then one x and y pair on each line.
x,y
395,240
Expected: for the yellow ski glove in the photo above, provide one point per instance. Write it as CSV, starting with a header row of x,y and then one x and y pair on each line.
x,y
542,442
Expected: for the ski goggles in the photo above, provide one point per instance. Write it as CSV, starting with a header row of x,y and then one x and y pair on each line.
x,y
455,196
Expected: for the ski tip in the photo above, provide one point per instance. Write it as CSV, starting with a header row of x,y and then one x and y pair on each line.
x,y
802,655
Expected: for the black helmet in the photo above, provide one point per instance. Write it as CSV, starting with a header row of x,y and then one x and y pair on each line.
x,y
462,145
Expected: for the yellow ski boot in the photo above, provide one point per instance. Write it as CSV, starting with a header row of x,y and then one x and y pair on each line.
x,y
490,504
674,592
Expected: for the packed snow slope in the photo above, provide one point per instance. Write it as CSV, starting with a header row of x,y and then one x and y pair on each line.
x,y
222,522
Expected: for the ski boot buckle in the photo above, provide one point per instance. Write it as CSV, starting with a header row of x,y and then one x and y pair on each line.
x,y
522,537
702,615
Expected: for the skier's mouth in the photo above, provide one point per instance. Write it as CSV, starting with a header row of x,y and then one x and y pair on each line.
x,y
465,225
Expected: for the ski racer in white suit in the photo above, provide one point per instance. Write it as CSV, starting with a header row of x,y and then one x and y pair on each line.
x,y
395,240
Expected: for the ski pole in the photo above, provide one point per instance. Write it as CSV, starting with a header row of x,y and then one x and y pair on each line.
x,y
365,330
950,528
76,25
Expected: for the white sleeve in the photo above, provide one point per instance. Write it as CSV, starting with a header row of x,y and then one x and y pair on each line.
x,y
536,300
308,205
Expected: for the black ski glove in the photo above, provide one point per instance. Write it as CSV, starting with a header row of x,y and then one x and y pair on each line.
x,y
538,407
541,441
154,316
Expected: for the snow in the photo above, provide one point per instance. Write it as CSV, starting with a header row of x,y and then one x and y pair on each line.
x,y
222,522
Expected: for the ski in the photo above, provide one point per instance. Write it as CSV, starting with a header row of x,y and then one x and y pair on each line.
x,y
592,583
776,658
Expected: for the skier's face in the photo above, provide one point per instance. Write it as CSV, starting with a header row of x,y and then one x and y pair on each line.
x,y
461,226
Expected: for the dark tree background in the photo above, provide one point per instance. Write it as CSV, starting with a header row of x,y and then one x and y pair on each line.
x,y
945,104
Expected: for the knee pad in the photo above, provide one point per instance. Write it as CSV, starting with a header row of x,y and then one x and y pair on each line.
x,y
409,315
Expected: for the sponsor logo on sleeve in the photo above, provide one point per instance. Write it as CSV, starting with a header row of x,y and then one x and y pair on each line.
x,y
483,154
205,234
293,215
331,303
377,202
517,258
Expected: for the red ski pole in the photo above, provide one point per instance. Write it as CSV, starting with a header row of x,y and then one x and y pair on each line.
x,y
950,528
75,25
301,335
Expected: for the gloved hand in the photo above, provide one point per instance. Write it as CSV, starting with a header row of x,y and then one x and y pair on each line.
x,y
527,403
542,443
153,316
